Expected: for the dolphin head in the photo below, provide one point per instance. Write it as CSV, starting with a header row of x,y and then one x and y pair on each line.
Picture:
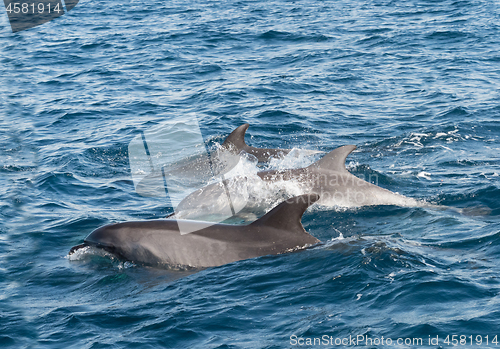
x,y
130,240
109,237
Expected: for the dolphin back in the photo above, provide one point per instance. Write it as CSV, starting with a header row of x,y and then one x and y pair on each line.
x,y
334,160
236,143
288,215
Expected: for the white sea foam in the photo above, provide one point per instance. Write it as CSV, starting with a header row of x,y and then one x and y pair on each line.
x,y
87,251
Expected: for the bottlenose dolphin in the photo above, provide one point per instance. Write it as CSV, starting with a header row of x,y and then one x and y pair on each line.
x,y
235,142
327,177
198,169
160,242
225,157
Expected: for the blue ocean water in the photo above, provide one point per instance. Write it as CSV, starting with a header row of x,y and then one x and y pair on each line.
x,y
414,84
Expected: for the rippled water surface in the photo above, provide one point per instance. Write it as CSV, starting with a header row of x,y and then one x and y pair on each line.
x,y
414,84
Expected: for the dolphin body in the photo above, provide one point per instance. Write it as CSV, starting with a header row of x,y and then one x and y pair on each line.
x,y
235,142
198,169
327,177
227,156
336,186
161,242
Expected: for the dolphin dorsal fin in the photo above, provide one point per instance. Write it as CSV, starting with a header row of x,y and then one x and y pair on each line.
x,y
237,138
334,160
288,214
235,142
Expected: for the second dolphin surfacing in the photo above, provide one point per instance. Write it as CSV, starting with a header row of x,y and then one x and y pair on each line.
x,y
327,177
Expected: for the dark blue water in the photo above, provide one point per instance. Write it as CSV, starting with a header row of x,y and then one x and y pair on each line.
x,y
414,84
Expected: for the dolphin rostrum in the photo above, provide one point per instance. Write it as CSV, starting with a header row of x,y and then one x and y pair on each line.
x,y
161,242
327,177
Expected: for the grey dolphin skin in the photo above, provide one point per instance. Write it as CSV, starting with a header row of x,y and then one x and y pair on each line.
x,y
236,142
197,170
327,177
160,242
